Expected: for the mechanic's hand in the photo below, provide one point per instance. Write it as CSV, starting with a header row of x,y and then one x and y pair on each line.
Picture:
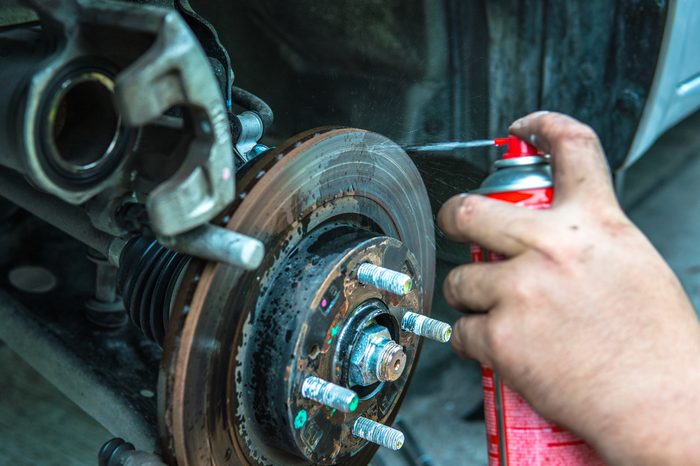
x,y
583,318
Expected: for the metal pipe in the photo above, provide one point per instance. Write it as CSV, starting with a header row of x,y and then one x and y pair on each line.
x,y
70,219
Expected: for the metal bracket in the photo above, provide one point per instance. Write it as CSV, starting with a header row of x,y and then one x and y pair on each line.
x,y
175,71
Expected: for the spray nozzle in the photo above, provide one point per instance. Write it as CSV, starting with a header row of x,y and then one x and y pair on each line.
x,y
516,147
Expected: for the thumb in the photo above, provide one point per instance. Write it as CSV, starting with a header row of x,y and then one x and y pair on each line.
x,y
579,165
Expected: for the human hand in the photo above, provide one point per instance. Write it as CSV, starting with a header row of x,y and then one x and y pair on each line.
x,y
583,318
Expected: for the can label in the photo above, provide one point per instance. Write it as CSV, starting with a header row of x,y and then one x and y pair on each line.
x,y
516,435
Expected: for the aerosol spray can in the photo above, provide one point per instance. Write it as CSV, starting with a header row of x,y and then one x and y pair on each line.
x,y
516,434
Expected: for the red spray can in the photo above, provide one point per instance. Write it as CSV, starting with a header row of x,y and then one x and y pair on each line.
x,y
516,434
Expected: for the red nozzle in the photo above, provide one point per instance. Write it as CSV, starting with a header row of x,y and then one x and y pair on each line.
x,y
516,147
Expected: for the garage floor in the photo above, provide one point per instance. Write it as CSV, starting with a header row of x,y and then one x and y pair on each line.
x,y
40,427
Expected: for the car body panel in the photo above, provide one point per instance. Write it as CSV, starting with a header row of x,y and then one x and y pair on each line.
x,y
676,90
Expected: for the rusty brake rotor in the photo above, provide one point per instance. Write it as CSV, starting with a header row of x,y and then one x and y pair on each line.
x,y
241,343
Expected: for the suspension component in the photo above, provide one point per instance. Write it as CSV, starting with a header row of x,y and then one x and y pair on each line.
x,y
148,279
117,452
106,308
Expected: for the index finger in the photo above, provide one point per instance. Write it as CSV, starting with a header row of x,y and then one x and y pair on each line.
x,y
578,161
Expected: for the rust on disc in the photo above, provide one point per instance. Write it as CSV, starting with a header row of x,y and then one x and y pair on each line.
x,y
285,194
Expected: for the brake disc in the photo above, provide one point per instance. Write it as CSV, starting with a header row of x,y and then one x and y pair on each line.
x,y
241,343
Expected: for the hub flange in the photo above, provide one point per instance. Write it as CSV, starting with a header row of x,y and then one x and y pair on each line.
x,y
311,322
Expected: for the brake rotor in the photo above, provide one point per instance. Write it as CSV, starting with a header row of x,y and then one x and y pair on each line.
x,y
241,343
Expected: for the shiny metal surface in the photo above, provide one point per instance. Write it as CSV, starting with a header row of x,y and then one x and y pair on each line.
x,y
426,327
376,357
380,434
517,174
218,244
329,394
384,279
251,132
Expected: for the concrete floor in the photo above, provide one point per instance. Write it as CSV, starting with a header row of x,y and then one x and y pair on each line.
x,y
40,427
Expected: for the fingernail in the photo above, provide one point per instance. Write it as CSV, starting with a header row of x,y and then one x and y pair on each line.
x,y
520,122
517,124
465,207
533,139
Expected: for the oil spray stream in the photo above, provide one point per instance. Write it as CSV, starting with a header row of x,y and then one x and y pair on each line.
x,y
448,146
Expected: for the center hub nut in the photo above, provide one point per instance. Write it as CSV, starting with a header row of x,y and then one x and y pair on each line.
x,y
376,357
330,355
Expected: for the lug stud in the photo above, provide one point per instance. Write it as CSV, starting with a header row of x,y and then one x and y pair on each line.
x,y
426,327
384,279
380,434
330,394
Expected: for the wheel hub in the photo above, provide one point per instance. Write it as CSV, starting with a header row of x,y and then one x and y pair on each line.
x,y
317,320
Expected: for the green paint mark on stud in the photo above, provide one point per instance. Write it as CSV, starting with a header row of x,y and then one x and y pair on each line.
x,y
300,420
353,404
408,287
